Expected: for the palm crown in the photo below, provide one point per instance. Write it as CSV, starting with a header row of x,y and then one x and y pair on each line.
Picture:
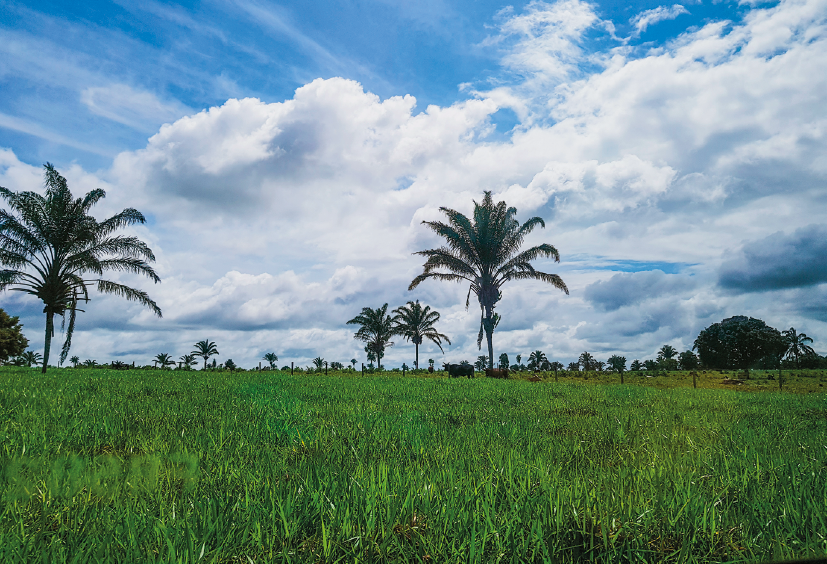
x,y
205,349
797,344
537,360
416,323
485,251
49,243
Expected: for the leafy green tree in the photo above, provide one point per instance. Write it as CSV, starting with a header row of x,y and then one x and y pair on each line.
x,y
536,360
12,341
503,360
650,365
353,361
415,323
587,361
188,360
737,342
796,345
687,360
271,359
230,365
75,360
31,357
51,242
636,366
618,364
376,330
482,362
573,367
205,349
164,360
485,252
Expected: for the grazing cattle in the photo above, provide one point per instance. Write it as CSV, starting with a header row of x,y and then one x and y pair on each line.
x,y
459,370
496,372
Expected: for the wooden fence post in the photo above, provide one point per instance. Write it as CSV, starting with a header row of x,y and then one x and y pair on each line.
x,y
291,369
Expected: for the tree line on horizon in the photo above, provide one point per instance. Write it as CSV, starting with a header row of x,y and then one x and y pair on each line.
x,y
54,250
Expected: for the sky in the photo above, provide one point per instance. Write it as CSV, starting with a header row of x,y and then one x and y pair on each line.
x,y
286,154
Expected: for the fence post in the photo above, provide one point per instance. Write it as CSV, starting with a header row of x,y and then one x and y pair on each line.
x,y
325,368
291,369
363,369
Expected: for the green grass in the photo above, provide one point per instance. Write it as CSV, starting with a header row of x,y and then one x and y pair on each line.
x,y
162,466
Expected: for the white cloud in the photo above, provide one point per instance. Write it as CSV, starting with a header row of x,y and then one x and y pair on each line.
x,y
659,14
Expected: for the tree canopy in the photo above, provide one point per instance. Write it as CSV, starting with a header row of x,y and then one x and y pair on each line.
x,y
738,342
12,341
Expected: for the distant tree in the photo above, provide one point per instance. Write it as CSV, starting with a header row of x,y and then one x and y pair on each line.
x,y
555,366
618,364
667,352
12,341
271,359
371,356
31,357
205,349
75,360
337,366
485,252
318,362
636,366
587,361
738,342
482,362
49,243
519,362
415,323
230,365
405,366
503,360
796,345
353,361
164,360
573,367
376,330
89,363
687,361
188,360
536,360
650,365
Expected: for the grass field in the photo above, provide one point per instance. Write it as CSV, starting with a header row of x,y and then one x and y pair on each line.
x,y
169,466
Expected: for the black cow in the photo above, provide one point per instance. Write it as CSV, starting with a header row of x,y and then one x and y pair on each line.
x,y
459,370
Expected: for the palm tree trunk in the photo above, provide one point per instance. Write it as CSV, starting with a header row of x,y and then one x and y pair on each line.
x,y
489,330
417,355
50,329
205,363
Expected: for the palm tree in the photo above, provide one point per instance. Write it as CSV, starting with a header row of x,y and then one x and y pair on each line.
x,y
797,345
486,253
31,357
187,360
89,363
376,330
416,323
271,358
164,360
537,360
50,243
353,361
586,360
667,352
205,349
319,362
618,363
75,360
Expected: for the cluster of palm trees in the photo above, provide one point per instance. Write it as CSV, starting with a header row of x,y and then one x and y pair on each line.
x,y
412,321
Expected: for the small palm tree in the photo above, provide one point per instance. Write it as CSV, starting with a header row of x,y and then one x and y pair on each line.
x,y
89,363
416,323
586,360
618,363
75,360
797,345
318,362
376,330
188,360
164,360
537,360
31,357
486,253
205,349
353,361
51,242
271,358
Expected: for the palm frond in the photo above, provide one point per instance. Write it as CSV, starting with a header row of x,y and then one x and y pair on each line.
x,y
109,287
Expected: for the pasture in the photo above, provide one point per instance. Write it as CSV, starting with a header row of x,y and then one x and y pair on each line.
x,y
188,466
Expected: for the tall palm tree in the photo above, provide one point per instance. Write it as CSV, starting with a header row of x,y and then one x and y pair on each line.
x,y
485,251
205,349
271,358
377,328
537,360
416,323
586,360
51,242
797,345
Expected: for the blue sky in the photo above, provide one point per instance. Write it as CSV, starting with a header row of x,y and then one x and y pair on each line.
x,y
305,142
